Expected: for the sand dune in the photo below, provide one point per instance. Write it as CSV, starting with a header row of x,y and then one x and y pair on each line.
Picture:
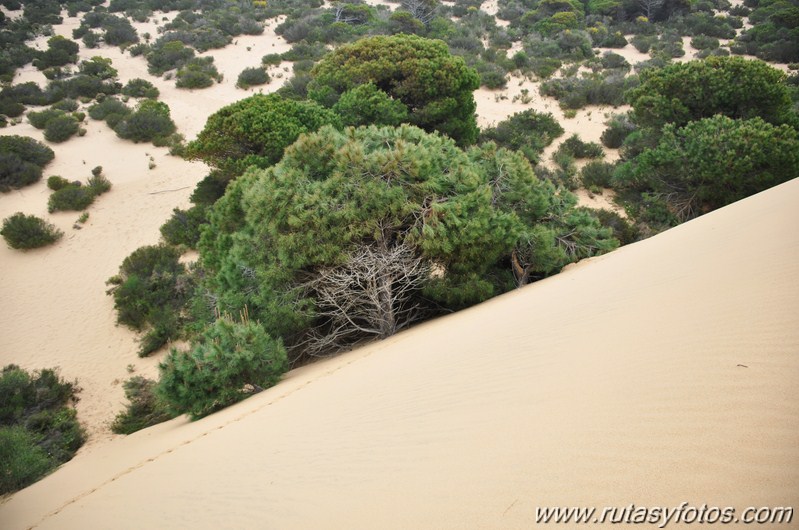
x,y
660,373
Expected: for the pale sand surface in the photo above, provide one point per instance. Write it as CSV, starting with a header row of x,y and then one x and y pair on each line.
x,y
613,383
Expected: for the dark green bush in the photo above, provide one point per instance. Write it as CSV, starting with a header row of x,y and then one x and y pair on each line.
x,y
145,407
597,173
73,197
22,461
67,105
140,88
199,72
183,228
619,127
21,161
40,119
98,184
149,293
28,231
61,128
623,230
38,428
107,107
577,148
252,77
528,131
230,362
55,182
150,121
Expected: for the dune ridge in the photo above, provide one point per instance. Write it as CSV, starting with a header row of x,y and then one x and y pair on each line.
x,y
663,372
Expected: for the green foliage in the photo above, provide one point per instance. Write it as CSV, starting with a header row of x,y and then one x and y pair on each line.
x,y
597,174
619,127
21,161
67,105
230,362
150,292
421,73
775,35
71,197
168,55
55,182
145,407
22,461
40,119
99,67
368,105
252,77
60,52
580,149
711,163
108,107
61,128
183,228
140,88
528,131
336,193
732,86
28,231
149,122
38,429
198,72
254,132
575,92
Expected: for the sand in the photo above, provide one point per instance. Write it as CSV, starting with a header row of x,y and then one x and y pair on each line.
x,y
661,373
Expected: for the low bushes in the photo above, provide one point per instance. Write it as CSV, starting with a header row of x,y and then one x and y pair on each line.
x,y
38,428
140,88
150,292
61,128
145,408
21,161
28,231
74,196
529,132
148,123
252,77
579,149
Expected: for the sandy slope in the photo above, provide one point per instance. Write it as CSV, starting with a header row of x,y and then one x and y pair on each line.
x,y
664,372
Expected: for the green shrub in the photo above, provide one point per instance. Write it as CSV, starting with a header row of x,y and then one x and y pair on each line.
x,y
38,428
67,105
230,362
145,407
150,292
108,107
98,184
252,77
199,72
528,131
623,230
577,148
183,228
151,120
72,197
28,231
619,127
16,173
597,173
22,461
140,88
61,129
40,119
